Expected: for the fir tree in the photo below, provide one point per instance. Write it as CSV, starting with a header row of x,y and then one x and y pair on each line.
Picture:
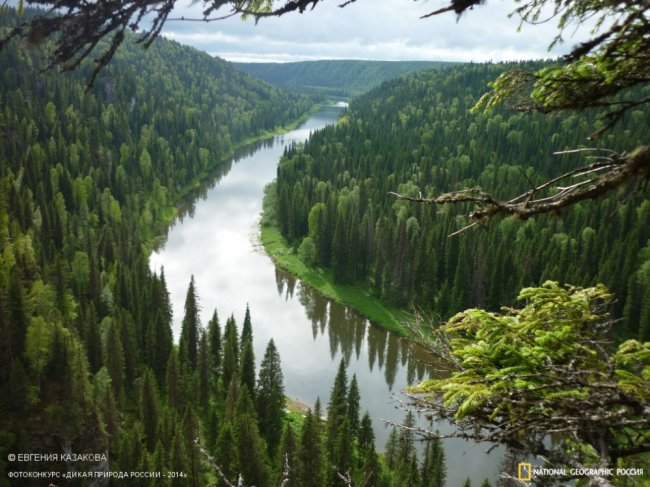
x,y
113,359
369,471
337,407
270,398
391,449
224,454
149,409
178,460
287,460
191,431
173,382
311,455
251,448
247,367
189,340
214,346
203,371
247,328
353,405
433,471
230,359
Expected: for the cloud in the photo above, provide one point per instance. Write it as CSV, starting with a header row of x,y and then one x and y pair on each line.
x,y
373,29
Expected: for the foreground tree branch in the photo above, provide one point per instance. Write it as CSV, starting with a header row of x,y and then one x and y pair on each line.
x,y
615,171
545,369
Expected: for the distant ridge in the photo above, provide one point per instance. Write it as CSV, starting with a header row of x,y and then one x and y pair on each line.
x,y
346,77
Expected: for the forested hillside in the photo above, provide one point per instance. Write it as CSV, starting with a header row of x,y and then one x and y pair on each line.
x,y
335,77
87,363
93,386
417,135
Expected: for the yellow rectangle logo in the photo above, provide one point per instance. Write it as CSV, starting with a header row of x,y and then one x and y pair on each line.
x,y
525,472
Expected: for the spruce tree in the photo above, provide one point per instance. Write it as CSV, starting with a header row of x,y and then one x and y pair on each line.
x,y
251,448
433,471
173,382
353,405
189,340
203,371
369,471
149,409
230,358
247,367
391,449
225,455
337,407
406,454
114,359
270,400
191,431
247,327
311,464
214,346
287,460
178,460
341,455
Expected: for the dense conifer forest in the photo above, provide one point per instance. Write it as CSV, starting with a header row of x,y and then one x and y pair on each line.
x,y
416,135
88,179
336,77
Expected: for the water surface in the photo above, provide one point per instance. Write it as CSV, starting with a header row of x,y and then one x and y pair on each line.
x,y
216,241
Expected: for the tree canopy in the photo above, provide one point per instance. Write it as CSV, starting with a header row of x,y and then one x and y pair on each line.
x,y
599,72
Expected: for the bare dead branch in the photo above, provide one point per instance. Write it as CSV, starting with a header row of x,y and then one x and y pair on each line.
x,y
616,172
211,460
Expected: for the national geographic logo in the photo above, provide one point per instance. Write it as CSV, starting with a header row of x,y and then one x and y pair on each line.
x,y
525,472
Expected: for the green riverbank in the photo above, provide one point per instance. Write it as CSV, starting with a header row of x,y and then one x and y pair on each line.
x,y
357,296
156,235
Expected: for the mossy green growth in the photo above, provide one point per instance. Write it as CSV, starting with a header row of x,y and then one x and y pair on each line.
x,y
358,296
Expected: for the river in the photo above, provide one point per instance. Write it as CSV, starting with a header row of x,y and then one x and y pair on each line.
x,y
215,239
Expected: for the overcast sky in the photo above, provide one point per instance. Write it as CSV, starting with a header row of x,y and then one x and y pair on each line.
x,y
373,29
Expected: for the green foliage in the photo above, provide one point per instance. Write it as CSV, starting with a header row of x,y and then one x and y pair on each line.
x,y
251,449
307,251
546,367
311,453
598,72
335,77
270,400
191,327
88,178
416,136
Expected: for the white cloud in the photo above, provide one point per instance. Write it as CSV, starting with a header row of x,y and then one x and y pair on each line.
x,y
373,29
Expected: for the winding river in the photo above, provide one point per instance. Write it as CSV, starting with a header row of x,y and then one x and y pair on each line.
x,y
215,239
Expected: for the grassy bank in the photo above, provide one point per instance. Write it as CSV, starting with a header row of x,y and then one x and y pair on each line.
x,y
358,296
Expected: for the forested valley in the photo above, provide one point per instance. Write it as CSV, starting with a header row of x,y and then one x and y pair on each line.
x,y
416,136
88,179
335,77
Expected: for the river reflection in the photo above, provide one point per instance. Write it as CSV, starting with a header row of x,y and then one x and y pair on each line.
x,y
216,239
